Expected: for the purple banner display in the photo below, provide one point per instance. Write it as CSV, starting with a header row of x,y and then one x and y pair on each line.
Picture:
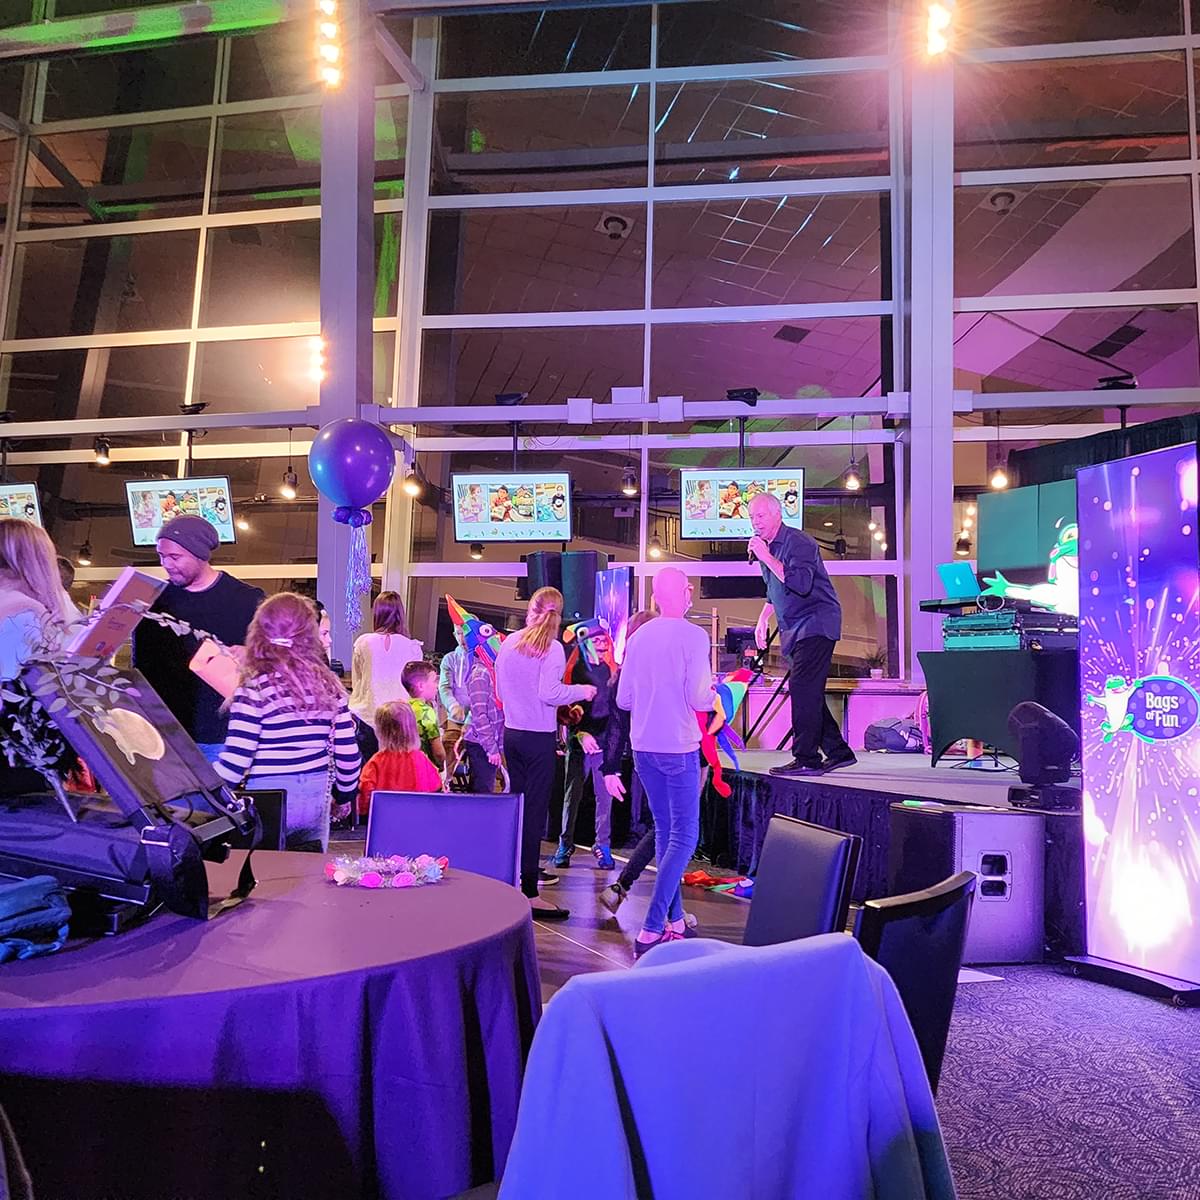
x,y
1139,653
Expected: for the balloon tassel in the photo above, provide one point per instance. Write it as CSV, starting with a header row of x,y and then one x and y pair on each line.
x,y
358,578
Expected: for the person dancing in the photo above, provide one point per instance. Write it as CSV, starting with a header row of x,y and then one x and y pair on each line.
x,y
665,679
529,684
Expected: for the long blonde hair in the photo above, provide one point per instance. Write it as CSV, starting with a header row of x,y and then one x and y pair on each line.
x,y
29,559
542,622
283,647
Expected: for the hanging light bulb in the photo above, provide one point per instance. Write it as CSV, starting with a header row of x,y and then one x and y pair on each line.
x,y
971,510
963,547
243,524
851,480
476,550
968,522
827,524
84,558
883,547
287,489
999,479
412,482
654,547
872,526
878,535
102,448
629,482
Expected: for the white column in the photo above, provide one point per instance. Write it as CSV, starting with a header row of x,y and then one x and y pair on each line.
x,y
931,325
347,276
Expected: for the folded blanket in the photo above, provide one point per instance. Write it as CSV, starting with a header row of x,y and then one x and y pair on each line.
x,y
34,914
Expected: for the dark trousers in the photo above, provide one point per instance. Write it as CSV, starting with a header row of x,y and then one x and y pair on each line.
x,y
483,774
639,860
813,727
531,761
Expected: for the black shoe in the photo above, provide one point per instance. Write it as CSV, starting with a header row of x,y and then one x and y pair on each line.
x,y
549,914
546,878
846,760
796,767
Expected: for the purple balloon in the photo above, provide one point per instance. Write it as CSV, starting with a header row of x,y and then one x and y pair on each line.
x,y
352,462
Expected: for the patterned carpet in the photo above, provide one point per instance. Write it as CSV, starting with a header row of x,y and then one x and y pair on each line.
x,y
1056,1088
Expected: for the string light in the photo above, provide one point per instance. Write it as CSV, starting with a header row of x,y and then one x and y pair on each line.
x,y
939,16
329,44
316,359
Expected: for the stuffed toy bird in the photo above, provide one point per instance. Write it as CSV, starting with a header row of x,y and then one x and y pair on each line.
x,y
479,637
716,729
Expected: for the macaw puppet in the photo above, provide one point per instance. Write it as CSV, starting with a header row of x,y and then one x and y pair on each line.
x,y
594,642
716,729
479,637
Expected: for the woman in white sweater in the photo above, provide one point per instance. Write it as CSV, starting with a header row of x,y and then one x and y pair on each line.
x,y
529,682
377,665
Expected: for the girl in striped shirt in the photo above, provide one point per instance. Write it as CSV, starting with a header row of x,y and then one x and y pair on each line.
x,y
290,726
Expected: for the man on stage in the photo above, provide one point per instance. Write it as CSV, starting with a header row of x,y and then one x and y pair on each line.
x,y
801,598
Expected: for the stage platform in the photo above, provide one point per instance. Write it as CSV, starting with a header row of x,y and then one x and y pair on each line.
x,y
854,799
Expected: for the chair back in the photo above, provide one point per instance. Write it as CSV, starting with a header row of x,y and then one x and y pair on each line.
x,y
476,832
802,887
918,939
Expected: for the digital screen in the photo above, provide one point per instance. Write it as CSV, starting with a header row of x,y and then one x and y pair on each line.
x,y
20,500
512,507
716,504
1139,657
613,588
154,502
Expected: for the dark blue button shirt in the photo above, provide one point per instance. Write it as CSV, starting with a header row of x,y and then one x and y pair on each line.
x,y
804,601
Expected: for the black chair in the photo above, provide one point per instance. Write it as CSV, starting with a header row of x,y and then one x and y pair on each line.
x,y
802,887
918,939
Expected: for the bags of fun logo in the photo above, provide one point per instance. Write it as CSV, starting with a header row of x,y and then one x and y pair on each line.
x,y
1158,708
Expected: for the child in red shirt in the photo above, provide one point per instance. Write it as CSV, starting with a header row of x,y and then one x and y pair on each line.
x,y
400,765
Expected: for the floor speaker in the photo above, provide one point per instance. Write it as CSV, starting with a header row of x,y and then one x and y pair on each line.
x,y
543,568
1006,850
579,568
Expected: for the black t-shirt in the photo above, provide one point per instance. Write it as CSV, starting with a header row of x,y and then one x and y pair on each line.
x,y
225,610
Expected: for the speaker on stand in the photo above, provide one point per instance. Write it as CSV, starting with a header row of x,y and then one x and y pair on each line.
x,y
543,568
579,569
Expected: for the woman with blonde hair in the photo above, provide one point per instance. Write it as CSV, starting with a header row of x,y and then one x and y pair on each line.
x,y
377,666
33,602
529,684
290,726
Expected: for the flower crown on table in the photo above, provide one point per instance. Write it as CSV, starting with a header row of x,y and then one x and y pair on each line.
x,y
396,871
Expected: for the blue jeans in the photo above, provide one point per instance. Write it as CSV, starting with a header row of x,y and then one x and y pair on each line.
x,y
307,804
672,783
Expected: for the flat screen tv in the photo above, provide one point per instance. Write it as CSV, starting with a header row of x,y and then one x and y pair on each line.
x,y
716,503
20,500
512,506
154,502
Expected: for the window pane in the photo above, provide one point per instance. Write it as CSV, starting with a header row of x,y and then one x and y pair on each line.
x,y
751,129
978,23
170,76
122,174
391,147
268,160
545,41
1067,349
786,251
8,155
536,260
104,284
280,61
126,381
732,31
387,263
1073,237
473,366
12,77
529,141
1089,110
16,12
832,356
262,273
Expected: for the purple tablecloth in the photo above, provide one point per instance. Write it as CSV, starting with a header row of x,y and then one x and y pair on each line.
x,y
314,1041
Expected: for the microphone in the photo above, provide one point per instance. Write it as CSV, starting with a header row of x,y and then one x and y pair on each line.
x,y
749,554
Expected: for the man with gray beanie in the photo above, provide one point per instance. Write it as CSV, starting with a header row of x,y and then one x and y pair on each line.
x,y
206,599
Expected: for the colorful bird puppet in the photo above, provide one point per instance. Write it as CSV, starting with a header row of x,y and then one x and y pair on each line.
x,y
716,729
479,637
593,641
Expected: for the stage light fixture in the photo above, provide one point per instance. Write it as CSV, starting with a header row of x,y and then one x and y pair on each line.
x,y
329,44
999,479
654,547
476,550
629,482
412,482
939,17
243,524
103,451
287,489
963,547
851,480
84,557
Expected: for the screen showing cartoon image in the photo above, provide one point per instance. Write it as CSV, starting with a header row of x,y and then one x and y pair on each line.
x,y
716,503
154,502
20,500
512,507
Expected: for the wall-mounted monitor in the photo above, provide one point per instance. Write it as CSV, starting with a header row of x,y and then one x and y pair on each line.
x,y
20,500
716,503
533,506
154,502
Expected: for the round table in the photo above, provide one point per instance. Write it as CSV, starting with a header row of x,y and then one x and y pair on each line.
x,y
315,1040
